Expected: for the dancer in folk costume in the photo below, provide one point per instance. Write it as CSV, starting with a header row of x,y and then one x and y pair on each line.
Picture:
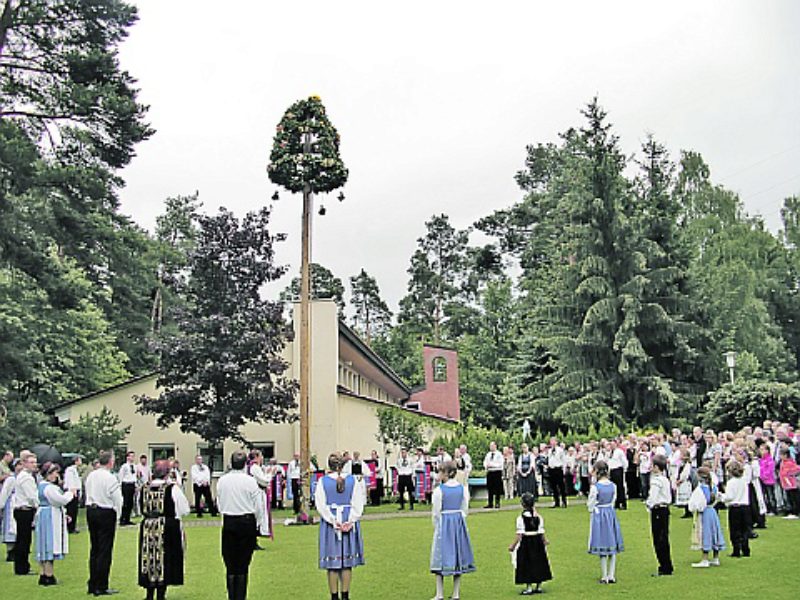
x,y
529,552
707,532
451,550
51,522
737,498
683,484
605,534
161,545
9,525
340,504
658,502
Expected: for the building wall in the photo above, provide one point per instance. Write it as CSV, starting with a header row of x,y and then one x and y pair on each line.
x,y
439,397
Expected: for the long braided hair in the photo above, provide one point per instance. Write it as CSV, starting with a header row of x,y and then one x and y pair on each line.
x,y
335,466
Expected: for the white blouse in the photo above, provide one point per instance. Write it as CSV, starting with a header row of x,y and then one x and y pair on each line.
x,y
436,500
325,512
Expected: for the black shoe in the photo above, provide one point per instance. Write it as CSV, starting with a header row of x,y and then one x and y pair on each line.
x,y
753,535
44,580
108,592
488,506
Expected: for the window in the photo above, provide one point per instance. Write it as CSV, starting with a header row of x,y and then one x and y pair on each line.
x,y
213,457
439,369
267,449
161,452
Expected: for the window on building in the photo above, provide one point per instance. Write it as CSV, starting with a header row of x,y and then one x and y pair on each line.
x,y
161,452
213,457
267,449
439,369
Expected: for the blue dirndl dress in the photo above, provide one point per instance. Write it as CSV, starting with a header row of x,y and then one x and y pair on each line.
x,y
605,535
713,540
337,549
50,528
451,550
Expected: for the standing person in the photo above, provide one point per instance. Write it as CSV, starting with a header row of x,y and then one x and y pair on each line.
x,y
788,476
293,472
526,472
376,491
658,502
737,499
277,477
26,501
127,479
405,478
103,507
617,464
556,461
605,534
451,549
143,476
710,538
632,470
509,470
201,485
51,523
6,466
74,484
8,532
766,472
529,549
683,484
243,507
493,463
160,557
341,547
645,458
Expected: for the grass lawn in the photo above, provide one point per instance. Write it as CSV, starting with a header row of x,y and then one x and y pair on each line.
x,y
397,559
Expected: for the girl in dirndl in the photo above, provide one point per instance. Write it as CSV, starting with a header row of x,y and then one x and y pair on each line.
x,y
340,503
8,528
528,550
451,550
51,523
707,533
605,535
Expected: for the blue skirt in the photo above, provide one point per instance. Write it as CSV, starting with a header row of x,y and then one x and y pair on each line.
x,y
451,551
336,553
45,536
605,535
713,540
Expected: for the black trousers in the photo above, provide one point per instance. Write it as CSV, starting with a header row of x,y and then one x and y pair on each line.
x,y
557,485
406,483
793,500
739,527
617,476
22,547
376,493
128,494
659,526
297,495
204,492
72,513
494,485
239,538
632,480
102,524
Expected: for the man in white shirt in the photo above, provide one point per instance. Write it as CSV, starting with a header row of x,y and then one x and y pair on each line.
x,y
103,506
658,501
25,503
241,502
556,460
617,465
293,473
467,460
73,483
405,478
201,484
127,479
493,463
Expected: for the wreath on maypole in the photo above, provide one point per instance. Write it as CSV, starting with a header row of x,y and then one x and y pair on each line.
x,y
306,150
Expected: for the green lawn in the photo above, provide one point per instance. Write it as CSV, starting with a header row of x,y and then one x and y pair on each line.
x,y
397,555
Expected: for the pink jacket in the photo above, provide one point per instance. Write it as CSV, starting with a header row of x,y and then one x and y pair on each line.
x,y
767,470
788,473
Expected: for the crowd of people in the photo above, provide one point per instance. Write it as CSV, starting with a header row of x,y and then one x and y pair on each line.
x,y
752,473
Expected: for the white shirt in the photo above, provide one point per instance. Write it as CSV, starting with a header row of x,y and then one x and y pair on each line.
x,y
325,512
72,479
127,473
9,484
201,474
259,473
27,494
436,500
405,466
736,492
56,497
556,460
467,463
591,501
644,462
182,507
419,464
660,491
143,474
521,524
103,490
293,469
493,461
238,494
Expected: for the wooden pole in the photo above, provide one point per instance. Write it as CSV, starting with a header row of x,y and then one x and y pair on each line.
x,y
305,340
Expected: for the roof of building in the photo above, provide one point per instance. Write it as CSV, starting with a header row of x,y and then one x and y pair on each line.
x,y
111,388
352,337
344,391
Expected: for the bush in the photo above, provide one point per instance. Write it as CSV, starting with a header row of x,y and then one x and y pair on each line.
x,y
732,407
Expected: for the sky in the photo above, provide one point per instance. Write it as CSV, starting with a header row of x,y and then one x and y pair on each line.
x,y
436,101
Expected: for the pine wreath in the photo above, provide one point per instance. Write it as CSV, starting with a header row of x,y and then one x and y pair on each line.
x,y
290,166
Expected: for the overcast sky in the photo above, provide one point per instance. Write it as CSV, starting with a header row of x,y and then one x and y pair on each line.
x,y
436,101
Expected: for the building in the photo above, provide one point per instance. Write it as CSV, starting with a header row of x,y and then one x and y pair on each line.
x,y
349,383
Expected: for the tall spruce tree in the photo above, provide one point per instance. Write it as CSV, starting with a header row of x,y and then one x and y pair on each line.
x,y
372,317
324,285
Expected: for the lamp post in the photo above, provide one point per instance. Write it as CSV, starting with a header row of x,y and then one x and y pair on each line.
x,y
730,359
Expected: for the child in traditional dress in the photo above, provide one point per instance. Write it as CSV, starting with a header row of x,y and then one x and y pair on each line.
x,y
683,484
51,522
658,501
528,549
340,504
605,535
451,550
708,530
737,498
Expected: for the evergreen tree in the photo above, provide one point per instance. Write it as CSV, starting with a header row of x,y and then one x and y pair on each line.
x,y
372,317
324,285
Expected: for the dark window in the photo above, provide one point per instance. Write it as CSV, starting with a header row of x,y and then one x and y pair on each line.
x,y
267,449
439,369
213,457
161,452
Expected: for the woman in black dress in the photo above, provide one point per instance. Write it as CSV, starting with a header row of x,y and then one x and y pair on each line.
x,y
160,533
531,565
